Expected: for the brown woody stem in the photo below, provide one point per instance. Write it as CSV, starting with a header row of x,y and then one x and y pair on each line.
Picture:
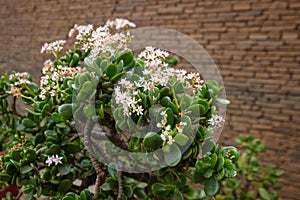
x,y
120,184
100,174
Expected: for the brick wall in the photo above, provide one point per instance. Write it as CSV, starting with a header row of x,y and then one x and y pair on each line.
x,y
255,43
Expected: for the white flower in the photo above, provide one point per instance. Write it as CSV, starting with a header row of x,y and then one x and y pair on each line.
x,y
162,113
146,72
54,159
171,140
168,128
55,46
55,76
119,23
138,110
216,121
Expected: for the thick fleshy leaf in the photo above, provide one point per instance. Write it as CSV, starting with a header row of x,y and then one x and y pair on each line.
x,y
211,186
64,169
66,110
28,123
65,185
173,156
264,193
181,139
159,190
125,55
25,169
86,195
152,141
111,70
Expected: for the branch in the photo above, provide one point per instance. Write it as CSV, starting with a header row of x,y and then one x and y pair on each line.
x,y
108,124
13,107
120,184
100,174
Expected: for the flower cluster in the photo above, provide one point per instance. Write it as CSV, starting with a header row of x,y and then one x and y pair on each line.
x,y
167,132
119,24
52,76
216,121
53,47
161,73
54,159
83,35
153,58
19,80
103,40
128,98
156,72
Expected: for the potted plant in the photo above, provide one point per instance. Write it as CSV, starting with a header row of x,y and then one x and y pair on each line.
x,y
87,124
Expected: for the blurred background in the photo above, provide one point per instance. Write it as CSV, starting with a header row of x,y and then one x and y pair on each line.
x,y
255,44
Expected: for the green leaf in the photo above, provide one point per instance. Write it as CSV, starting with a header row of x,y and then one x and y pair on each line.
x,y
10,168
159,190
28,123
53,149
107,85
72,148
4,177
103,65
172,61
128,191
125,55
223,101
111,70
181,139
152,141
86,87
173,157
188,127
64,169
71,196
30,155
117,77
173,107
214,159
264,193
177,195
65,185
56,117
165,91
89,110
88,61
75,60
25,169
220,163
165,101
139,192
197,110
112,170
86,195
170,116
46,110
211,186
66,110
228,164
84,77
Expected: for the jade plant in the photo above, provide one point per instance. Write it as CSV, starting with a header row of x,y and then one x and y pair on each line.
x,y
130,125
254,180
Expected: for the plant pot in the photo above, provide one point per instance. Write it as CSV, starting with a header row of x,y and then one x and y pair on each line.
x,y
13,189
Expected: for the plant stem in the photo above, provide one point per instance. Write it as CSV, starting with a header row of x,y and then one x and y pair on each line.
x,y
100,174
120,184
13,107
